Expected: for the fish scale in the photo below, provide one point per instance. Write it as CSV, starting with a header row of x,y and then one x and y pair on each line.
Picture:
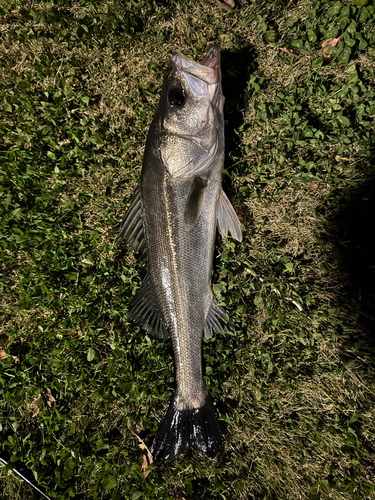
x,y
174,213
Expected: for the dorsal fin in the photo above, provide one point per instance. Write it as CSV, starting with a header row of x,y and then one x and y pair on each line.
x,y
194,202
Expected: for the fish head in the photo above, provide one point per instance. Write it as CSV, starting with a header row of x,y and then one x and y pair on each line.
x,y
191,115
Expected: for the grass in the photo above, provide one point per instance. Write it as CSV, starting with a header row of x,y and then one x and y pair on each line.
x,y
294,386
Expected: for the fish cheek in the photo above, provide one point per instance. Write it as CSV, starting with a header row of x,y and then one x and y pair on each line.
x,y
189,120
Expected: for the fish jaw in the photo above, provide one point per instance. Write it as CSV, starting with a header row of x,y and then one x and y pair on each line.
x,y
208,71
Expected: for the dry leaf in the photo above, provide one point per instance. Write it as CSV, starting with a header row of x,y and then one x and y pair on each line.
x,y
4,355
147,457
313,186
331,42
35,407
51,399
287,51
226,4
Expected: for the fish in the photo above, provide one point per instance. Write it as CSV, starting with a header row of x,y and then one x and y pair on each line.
x,y
172,219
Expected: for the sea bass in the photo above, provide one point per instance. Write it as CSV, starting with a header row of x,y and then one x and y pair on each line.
x,y
173,217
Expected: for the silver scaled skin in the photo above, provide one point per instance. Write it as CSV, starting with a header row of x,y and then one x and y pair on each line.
x,y
173,218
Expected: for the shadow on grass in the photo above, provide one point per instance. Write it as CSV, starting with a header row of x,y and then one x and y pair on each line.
x,y
237,68
355,237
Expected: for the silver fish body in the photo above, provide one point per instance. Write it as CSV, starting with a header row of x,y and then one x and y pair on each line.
x,y
173,217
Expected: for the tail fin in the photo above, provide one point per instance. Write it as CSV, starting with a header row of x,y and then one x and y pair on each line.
x,y
180,429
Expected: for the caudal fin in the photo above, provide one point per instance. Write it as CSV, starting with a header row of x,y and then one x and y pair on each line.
x,y
180,429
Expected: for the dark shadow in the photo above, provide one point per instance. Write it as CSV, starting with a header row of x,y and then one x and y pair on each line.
x,y
236,68
355,238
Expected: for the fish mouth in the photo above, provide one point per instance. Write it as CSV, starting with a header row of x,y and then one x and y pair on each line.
x,y
208,70
212,58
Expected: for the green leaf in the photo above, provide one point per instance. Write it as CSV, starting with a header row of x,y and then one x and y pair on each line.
x,y
242,309
109,483
344,56
365,14
344,21
136,495
343,120
269,368
258,301
360,3
350,364
311,36
85,99
289,22
334,10
362,43
352,70
317,63
67,473
72,276
312,13
90,354
332,51
97,140
297,43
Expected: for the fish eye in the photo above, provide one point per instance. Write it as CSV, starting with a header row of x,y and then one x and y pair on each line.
x,y
176,97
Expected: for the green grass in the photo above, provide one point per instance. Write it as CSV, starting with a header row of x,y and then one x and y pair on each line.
x,y
295,386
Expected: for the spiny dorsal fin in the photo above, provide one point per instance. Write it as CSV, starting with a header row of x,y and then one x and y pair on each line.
x,y
227,218
194,202
131,230
215,315
143,307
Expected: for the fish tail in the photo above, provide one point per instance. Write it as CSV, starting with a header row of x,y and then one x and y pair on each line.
x,y
180,429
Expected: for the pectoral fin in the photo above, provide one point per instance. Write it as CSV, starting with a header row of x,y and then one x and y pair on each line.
x,y
131,230
227,218
195,202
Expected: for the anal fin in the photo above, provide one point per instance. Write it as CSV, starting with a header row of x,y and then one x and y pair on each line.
x,y
143,307
227,218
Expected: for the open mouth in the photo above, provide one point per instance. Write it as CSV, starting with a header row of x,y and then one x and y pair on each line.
x,y
208,70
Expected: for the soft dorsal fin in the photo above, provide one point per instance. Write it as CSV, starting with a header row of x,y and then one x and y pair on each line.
x,y
215,315
195,202
227,218
143,307
131,229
